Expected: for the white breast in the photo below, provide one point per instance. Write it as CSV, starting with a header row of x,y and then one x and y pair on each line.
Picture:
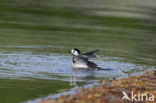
x,y
80,65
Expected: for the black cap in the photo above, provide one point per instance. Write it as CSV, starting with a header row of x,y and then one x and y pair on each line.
x,y
77,50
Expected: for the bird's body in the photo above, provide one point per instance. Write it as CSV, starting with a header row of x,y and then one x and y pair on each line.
x,y
79,63
81,60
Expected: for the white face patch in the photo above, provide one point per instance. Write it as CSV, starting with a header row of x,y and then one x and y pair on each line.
x,y
74,52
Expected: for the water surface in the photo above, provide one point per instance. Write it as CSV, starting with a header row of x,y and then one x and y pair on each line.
x,y
35,37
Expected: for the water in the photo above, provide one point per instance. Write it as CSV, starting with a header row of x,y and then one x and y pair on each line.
x,y
35,38
37,75
57,67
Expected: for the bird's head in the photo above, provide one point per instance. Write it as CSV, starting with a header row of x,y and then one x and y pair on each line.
x,y
75,51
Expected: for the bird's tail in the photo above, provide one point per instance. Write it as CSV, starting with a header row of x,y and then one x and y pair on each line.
x,y
99,68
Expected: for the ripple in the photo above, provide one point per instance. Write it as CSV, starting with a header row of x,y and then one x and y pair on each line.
x,y
57,66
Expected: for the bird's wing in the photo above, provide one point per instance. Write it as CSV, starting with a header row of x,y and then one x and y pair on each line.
x,y
91,54
91,64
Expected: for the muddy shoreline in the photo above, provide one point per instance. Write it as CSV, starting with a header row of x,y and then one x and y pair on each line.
x,y
142,87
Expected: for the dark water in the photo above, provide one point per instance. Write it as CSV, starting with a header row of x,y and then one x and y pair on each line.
x,y
36,35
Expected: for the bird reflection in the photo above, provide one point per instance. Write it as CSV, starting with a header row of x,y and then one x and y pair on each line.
x,y
81,75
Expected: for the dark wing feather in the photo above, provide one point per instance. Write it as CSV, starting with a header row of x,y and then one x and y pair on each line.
x,y
91,64
91,54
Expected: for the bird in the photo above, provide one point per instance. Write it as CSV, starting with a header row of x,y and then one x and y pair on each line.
x,y
81,60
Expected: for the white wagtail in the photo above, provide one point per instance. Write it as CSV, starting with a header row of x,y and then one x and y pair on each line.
x,y
81,60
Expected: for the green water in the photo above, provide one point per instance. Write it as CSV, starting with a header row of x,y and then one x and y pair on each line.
x,y
13,91
123,28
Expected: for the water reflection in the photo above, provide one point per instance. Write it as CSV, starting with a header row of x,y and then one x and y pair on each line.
x,y
77,75
86,75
